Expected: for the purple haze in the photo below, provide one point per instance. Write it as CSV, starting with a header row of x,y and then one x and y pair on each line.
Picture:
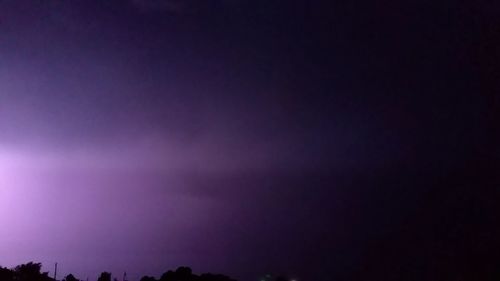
x,y
309,138
132,149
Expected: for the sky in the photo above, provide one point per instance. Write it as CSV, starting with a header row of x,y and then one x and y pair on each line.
x,y
305,138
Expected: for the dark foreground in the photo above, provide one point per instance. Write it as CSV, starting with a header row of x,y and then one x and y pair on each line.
x,y
32,272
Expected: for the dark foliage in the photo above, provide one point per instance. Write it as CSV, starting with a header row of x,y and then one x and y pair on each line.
x,y
25,272
70,277
6,274
185,274
105,276
31,272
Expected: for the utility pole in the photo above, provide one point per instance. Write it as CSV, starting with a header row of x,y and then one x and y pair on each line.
x,y
55,272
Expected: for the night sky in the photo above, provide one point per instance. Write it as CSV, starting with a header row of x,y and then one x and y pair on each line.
x,y
320,139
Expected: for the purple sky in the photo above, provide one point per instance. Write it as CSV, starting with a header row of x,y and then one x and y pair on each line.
x,y
236,137
125,145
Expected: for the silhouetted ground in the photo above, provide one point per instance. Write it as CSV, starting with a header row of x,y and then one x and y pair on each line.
x,y
32,272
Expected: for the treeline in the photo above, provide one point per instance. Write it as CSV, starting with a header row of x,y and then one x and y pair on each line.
x,y
185,274
32,272
24,272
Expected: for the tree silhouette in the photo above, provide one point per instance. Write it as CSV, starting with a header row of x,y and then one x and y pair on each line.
x,y
105,276
70,277
30,272
182,273
168,276
185,274
214,277
148,278
6,274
